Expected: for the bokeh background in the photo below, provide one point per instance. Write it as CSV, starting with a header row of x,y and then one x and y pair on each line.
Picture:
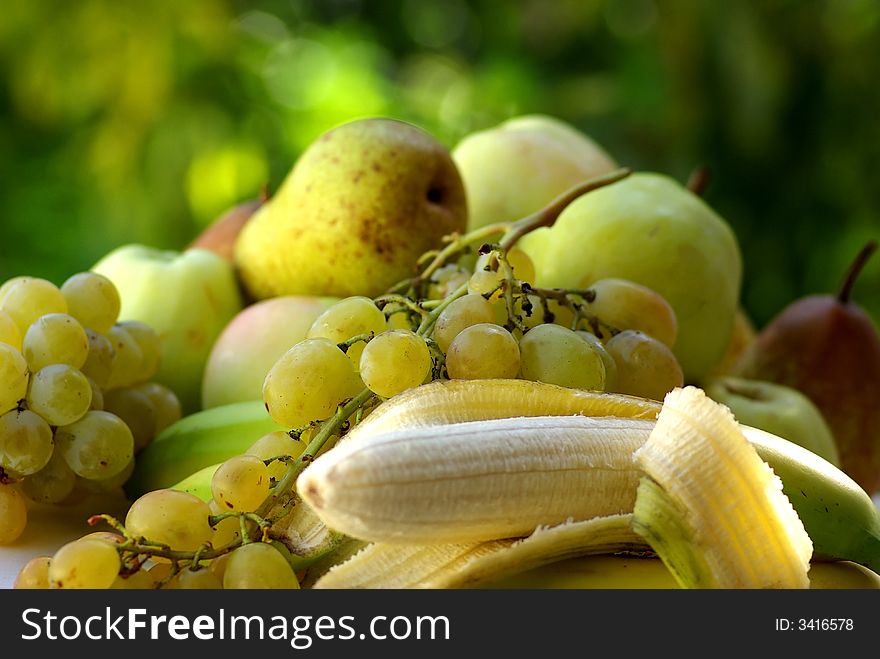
x,y
142,121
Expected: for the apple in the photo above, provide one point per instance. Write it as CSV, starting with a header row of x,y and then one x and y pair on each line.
x,y
649,229
252,342
186,297
778,409
521,165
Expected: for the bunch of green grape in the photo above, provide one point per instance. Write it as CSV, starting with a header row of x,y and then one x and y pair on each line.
x,y
483,322
76,397
182,522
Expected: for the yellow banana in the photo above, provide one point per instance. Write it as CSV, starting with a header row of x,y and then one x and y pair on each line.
x,y
710,507
464,565
476,481
839,517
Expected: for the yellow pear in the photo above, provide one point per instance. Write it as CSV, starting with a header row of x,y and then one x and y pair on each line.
x,y
358,209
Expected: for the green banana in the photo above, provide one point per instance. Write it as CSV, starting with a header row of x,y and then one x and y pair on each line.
x,y
197,441
198,483
839,516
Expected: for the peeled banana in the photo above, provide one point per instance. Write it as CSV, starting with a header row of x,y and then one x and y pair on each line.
x,y
404,490
710,507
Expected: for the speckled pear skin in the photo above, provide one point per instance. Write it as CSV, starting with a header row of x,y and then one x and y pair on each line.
x,y
358,209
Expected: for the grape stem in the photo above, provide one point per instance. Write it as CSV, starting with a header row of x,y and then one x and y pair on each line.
x,y
282,491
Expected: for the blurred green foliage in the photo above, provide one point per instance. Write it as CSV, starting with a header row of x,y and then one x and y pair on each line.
x,y
141,121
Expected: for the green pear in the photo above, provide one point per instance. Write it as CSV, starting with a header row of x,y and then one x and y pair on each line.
x,y
778,409
651,230
358,209
521,165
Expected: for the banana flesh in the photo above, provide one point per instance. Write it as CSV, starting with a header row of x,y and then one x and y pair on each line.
x,y
476,481
454,401
710,507
466,565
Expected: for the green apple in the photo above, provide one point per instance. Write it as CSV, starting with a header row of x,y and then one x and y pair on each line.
x,y
252,342
360,206
521,165
187,297
778,409
651,230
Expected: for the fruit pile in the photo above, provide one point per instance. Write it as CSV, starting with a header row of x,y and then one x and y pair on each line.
x,y
77,400
456,396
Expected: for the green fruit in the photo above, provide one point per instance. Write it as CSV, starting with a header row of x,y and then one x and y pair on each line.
x,y
186,297
252,342
520,166
649,229
198,441
359,208
777,409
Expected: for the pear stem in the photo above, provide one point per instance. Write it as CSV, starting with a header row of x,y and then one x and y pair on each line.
x,y
547,215
854,270
699,180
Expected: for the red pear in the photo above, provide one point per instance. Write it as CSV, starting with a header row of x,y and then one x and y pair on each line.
x,y
221,234
828,347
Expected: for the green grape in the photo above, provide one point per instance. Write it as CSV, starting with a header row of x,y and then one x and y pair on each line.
x,y
445,280
52,484
13,377
218,565
142,579
34,575
240,484
84,563
127,358
308,383
485,282
136,409
557,355
395,360
25,442
226,531
463,312
624,304
520,262
483,351
27,298
165,403
108,484
9,332
173,518
97,446
348,318
97,396
148,341
93,300
99,361
535,314
273,445
258,565
201,579
607,359
13,513
645,366
60,394
55,338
